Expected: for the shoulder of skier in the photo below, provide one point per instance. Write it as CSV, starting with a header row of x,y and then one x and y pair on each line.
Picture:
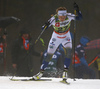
x,y
78,16
71,16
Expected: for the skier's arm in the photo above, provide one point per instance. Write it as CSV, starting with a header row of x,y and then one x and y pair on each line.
x,y
48,23
77,15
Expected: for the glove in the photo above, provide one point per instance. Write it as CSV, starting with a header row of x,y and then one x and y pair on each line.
x,y
76,7
45,26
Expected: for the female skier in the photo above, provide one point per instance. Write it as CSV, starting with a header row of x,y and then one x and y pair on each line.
x,y
61,35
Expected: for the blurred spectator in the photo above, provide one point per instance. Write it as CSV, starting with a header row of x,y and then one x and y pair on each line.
x,y
3,45
80,63
95,44
22,54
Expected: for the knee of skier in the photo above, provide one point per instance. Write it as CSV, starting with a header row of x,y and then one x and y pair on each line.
x,y
68,53
50,52
68,50
51,49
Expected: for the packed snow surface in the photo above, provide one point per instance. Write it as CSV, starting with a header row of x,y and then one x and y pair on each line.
x,y
6,83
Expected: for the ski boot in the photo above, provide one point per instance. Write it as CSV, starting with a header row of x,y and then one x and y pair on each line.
x,y
38,76
65,81
65,76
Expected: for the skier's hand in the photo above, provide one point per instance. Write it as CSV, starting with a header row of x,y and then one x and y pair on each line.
x,y
45,26
76,7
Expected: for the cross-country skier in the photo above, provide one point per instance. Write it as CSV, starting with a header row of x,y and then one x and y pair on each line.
x,y
61,35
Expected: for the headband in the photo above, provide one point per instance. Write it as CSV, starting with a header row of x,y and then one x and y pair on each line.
x,y
62,12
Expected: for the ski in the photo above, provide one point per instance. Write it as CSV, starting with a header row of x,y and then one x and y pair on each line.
x,y
30,80
65,82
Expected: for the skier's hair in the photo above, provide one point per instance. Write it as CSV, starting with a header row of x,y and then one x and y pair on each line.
x,y
60,8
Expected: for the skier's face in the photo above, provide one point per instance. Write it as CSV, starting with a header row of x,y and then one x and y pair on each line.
x,y
62,18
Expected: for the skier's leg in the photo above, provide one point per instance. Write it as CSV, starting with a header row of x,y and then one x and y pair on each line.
x,y
51,49
67,62
67,44
43,66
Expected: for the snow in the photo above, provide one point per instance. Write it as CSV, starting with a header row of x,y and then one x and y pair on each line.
x,y
6,83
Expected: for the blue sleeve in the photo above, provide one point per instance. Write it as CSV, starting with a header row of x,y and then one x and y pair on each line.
x,y
83,61
79,16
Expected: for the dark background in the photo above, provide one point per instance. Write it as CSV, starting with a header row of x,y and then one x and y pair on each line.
x,y
34,13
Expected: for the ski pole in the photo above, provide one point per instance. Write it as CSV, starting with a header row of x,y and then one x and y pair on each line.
x,y
43,30
40,34
74,41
